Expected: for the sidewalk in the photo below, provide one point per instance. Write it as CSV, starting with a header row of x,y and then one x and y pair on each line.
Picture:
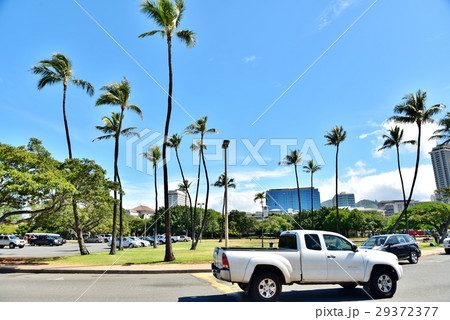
x,y
134,269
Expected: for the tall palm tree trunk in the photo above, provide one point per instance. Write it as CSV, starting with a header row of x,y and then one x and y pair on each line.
x,y
312,203
78,230
298,195
187,190
155,232
112,251
169,253
205,216
338,227
66,125
416,170
194,220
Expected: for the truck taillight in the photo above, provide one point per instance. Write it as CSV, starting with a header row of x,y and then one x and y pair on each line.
x,y
225,263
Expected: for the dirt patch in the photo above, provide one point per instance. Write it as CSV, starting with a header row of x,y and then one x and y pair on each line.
x,y
20,261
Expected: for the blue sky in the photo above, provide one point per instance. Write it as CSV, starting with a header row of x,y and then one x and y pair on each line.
x,y
270,76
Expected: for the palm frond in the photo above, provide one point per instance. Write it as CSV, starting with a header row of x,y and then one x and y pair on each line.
x,y
188,37
151,33
84,85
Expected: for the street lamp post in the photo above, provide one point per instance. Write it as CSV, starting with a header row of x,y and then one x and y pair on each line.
x,y
224,147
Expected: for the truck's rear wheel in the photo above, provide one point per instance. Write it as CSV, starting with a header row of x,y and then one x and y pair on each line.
x,y
265,286
383,283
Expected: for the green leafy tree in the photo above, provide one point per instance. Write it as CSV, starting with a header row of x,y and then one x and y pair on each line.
x,y
167,15
294,158
31,181
414,110
200,127
312,168
334,138
432,214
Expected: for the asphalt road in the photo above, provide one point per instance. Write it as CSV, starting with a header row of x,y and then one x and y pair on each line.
x,y
47,251
425,282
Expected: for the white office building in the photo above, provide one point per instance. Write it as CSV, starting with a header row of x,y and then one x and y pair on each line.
x,y
178,198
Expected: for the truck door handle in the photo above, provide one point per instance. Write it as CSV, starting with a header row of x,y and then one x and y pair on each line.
x,y
331,256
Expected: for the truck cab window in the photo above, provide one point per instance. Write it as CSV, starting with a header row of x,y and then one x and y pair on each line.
x,y
337,243
288,241
312,242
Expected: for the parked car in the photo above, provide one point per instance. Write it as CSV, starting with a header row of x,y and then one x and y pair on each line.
x,y
127,242
447,244
105,237
11,241
402,245
151,240
142,242
93,239
46,240
185,238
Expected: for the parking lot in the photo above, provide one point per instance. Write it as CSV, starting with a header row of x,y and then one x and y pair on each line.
x,y
48,251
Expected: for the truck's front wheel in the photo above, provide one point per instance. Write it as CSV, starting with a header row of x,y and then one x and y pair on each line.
x,y
383,283
265,286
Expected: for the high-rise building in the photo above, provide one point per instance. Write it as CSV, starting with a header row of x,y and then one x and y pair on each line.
x,y
440,158
286,200
345,200
177,198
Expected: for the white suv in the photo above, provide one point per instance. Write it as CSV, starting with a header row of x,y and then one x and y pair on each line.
x,y
447,244
11,241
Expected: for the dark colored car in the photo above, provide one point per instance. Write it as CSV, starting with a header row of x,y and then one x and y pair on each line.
x,y
45,240
403,246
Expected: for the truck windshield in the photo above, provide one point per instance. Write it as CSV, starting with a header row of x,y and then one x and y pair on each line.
x,y
288,241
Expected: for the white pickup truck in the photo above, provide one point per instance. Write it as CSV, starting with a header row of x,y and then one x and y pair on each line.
x,y
307,257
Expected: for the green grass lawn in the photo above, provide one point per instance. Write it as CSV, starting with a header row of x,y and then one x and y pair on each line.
x,y
149,255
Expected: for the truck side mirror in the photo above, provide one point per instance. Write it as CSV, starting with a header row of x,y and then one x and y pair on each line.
x,y
354,248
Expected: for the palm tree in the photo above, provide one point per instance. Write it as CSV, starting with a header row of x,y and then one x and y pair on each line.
x,y
167,15
153,154
395,139
335,137
55,70
261,197
312,168
112,129
220,183
174,142
118,94
414,110
184,186
200,127
444,131
294,158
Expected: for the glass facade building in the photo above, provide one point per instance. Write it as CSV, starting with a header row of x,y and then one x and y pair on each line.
x,y
440,158
345,200
285,199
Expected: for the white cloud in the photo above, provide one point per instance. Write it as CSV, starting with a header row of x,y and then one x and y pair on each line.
x,y
249,59
383,186
246,176
360,170
332,12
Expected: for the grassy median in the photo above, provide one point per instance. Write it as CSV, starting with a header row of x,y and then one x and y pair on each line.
x,y
149,255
